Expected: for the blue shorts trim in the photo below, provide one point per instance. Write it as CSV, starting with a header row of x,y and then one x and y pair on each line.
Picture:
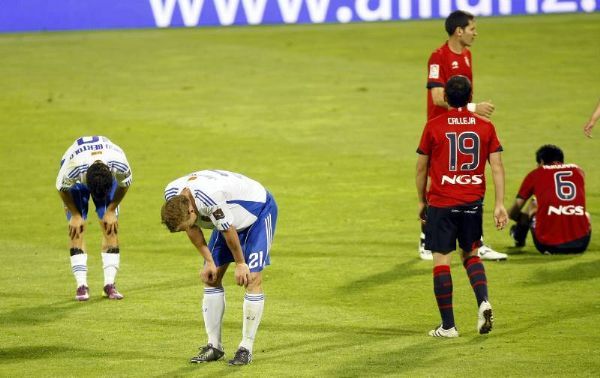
x,y
81,197
255,240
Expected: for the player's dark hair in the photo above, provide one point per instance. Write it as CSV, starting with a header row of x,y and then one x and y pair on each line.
x,y
99,180
458,19
458,91
548,154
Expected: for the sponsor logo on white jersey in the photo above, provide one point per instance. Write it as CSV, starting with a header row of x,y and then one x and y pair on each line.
x,y
462,179
434,71
566,210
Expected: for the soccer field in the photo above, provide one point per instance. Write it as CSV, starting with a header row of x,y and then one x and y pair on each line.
x,y
328,118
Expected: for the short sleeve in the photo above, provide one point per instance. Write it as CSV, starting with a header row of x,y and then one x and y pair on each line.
x,y
435,71
425,143
527,186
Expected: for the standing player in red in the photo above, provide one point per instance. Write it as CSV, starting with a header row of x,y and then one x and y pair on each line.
x,y
453,151
454,58
557,216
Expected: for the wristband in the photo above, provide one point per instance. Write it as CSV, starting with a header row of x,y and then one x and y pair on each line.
x,y
471,106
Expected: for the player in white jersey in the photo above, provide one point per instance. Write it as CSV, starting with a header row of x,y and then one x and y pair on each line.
x,y
94,166
243,215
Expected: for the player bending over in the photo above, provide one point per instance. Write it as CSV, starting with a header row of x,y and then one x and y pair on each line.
x,y
94,166
243,215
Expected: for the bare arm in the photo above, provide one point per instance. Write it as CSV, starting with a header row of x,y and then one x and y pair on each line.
x,y
109,220
500,215
242,272
196,236
76,223
515,210
421,182
209,272
587,128
484,108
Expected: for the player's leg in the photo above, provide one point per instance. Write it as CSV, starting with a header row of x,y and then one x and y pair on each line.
x,y
213,309
110,251
213,302
78,255
441,239
257,245
469,239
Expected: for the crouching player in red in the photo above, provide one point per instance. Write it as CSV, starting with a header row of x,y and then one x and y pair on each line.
x,y
453,151
557,216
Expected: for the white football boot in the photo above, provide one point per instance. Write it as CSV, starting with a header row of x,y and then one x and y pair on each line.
x,y
485,252
441,332
424,254
485,318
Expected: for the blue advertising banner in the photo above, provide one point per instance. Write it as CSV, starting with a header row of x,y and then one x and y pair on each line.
x,y
40,15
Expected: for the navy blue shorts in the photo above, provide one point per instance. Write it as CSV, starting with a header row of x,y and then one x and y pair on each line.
x,y
447,224
256,240
81,197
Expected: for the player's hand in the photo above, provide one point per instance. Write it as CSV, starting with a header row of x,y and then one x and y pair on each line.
x,y
76,226
485,108
110,222
587,129
242,274
422,209
209,273
500,217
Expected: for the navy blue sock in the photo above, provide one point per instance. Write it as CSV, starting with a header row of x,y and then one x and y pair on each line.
x,y
476,273
442,287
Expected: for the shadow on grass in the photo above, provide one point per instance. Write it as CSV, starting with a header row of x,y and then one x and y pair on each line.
x,y
41,313
396,273
36,352
585,270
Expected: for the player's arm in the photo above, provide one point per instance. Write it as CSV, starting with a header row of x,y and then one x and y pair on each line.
x,y
500,215
76,223
110,220
515,210
209,272
587,128
421,182
484,108
242,272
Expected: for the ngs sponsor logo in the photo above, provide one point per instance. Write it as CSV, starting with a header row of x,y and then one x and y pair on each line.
x,y
566,210
462,179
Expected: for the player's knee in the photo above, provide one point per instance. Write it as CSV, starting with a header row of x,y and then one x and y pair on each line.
x,y
254,282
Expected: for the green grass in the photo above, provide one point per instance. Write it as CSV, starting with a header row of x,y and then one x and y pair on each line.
x,y
328,118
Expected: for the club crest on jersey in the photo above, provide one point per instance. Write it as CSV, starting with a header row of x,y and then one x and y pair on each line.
x,y
218,214
462,179
434,71
454,65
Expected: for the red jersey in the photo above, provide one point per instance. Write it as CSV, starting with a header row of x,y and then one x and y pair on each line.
x,y
560,193
442,65
458,144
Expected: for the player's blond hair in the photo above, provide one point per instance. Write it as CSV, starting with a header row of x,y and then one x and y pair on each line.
x,y
175,211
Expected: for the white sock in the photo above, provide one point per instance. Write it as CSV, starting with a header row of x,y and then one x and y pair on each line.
x,y
213,308
253,309
79,268
110,263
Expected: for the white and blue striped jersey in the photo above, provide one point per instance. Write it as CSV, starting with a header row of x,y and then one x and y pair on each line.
x,y
84,152
223,198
